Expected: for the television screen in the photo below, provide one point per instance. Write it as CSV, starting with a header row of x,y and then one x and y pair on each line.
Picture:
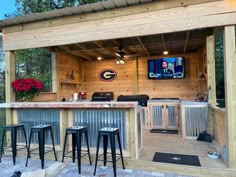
x,y
166,68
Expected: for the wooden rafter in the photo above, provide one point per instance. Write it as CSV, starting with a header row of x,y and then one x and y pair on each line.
x,y
66,52
83,47
77,53
144,48
109,49
186,41
163,42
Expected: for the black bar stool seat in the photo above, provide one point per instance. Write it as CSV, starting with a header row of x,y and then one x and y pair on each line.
x,y
41,131
77,133
105,133
13,128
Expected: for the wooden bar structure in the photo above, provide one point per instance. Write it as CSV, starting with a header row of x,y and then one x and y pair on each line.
x,y
142,30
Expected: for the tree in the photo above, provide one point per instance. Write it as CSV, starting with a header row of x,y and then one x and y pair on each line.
x,y
219,67
36,63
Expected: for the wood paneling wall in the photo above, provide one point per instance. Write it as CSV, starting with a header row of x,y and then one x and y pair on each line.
x,y
180,88
125,82
65,65
219,131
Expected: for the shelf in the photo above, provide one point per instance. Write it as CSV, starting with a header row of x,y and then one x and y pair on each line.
x,y
69,83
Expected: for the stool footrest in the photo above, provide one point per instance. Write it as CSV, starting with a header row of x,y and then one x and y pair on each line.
x,y
82,155
9,147
50,149
108,153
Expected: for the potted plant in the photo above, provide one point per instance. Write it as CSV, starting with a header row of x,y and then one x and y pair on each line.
x,y
26,88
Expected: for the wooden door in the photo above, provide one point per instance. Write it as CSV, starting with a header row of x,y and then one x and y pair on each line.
x,y
172,116
163,115
156,114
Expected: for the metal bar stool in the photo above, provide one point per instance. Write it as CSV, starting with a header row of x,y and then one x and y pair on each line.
x,y
105,133
13,129
77,133
41,130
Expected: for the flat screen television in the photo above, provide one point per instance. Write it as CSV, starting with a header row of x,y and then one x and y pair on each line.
x,y
166,68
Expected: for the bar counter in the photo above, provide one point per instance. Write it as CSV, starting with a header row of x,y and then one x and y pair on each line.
x,y
127,116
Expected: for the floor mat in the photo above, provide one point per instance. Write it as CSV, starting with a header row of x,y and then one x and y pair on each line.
x,y
176,159
164,131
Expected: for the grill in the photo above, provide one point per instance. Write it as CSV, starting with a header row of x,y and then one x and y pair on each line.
x,y
141,99
102,96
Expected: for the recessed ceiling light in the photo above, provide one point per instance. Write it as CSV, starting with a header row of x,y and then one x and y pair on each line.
x,y
99,58
165,52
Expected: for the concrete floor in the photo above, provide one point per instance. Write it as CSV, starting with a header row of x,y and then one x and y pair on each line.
x,y
70,169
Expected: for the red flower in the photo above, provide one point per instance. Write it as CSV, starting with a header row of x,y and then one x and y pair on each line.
x,y
26,88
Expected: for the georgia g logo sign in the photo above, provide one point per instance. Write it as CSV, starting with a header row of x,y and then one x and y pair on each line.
x,y
107,75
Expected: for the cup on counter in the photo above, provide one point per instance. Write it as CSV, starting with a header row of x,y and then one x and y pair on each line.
x,y
75,96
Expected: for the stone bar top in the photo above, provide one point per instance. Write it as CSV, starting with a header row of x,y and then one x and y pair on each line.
x,y
74,104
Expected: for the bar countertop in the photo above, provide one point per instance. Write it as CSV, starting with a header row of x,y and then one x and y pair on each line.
x,y
74,104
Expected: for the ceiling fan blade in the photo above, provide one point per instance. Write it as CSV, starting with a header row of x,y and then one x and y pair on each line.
x,y
134,55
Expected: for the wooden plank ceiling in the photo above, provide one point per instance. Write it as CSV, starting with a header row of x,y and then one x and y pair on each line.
x,y
142,46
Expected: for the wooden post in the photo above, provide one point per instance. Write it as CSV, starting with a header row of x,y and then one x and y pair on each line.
x,y
135,70
133,134
230,94
211,84
9,77
54,72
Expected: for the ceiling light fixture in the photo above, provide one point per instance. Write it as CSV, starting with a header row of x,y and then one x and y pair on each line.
x,y
165,52
120,61
99,58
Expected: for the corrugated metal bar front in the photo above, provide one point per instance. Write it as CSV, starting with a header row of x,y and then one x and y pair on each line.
x,y
171,115
156,115
32,117
98,118
196,120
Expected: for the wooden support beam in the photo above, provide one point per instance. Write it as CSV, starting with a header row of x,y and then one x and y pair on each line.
x,y
9,78
186,41
163,42
10,75
230,96
82,54
62,49
190,17
135,74
211,84
109,49
54,71
76,52
83,47
144,48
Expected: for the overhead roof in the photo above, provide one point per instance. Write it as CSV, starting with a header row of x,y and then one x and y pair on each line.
x,y
88,8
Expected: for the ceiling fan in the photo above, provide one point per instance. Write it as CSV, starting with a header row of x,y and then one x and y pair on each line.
x,y
120,53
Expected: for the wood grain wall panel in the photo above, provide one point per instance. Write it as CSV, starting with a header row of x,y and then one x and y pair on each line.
x,y
180,88
123,84
65,65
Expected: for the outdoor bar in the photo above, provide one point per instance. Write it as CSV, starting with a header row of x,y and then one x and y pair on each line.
x,y
95,115
110,69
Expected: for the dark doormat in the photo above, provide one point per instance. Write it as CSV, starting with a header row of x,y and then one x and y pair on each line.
x,y
164,131
176,159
